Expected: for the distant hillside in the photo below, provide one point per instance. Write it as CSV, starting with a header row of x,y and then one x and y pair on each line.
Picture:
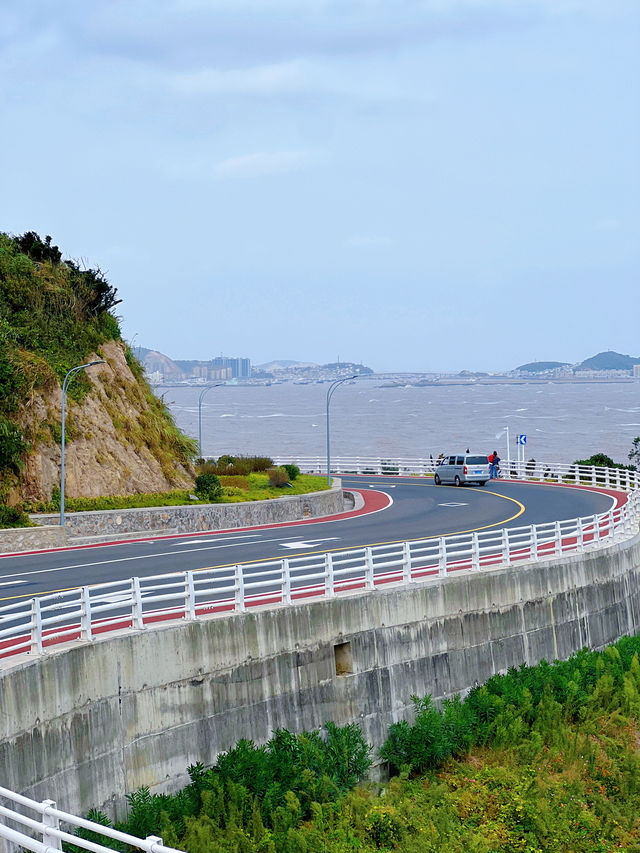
x,y
284,364
541,366
608,360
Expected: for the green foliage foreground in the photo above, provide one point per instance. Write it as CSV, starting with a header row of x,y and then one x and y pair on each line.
x,y
544,758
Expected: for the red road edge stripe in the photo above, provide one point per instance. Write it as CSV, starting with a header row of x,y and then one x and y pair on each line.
x,y
374,501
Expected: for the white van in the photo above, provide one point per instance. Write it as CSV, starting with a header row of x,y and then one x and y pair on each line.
x,y
463,468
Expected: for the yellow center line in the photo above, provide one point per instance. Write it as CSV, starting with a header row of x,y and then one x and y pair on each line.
x,y
331,551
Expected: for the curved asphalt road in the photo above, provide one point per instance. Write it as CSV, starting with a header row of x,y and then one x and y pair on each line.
x,y
419,510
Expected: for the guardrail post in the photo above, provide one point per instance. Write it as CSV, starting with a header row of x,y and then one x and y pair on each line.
x,y
369,577
533,551
442,557
406,562
612,529
137,619
286,582
506,556
36,627
85,614
154,841
239,584
557,536
329,588
189,596
50,821
580,535
475,553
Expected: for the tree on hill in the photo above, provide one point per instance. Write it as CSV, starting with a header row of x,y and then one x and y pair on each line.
x,y
54,314
541,366
609,361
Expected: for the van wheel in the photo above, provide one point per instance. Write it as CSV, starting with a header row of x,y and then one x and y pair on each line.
x,y
457,481
436,479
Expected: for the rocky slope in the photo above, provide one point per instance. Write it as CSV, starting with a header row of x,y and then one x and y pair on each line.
x,y
108,450
120,438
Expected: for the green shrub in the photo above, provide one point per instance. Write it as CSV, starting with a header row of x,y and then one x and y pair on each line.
x,y
601,460
14,516
277,477
208,487
12,446
236,465
383,826
292,471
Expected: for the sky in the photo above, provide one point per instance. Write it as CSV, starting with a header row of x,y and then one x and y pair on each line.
x,y
416,185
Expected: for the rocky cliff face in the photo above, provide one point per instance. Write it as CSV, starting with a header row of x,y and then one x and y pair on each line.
x,y
120,439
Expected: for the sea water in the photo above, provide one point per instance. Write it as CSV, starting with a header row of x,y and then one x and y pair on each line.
x,y
562,421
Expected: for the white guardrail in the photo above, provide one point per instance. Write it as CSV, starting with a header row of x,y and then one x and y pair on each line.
x,y
32,627
44,823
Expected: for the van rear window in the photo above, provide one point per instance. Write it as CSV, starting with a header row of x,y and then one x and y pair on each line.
x,y
477,460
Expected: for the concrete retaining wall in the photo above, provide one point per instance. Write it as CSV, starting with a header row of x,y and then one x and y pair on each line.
x,y
89,724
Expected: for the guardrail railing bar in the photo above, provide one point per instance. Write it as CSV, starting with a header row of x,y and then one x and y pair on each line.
x,y
59,617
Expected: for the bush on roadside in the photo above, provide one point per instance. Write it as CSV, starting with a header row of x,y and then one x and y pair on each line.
x,y
278,477
208,487
14,516
601,460
233,466
292,471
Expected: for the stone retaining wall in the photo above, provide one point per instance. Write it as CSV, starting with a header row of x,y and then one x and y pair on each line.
x,y
173,519
19,539
91,723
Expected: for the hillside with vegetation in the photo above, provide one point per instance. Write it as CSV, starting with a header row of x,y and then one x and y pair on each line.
x,y
120,438
609,360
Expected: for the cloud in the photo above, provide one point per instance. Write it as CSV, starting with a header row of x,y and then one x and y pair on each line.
x,y
261,164
259,80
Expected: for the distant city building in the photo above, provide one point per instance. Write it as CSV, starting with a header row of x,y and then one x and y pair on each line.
x,y
601,374
636,371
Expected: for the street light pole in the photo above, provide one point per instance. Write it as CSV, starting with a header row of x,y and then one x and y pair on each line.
x,y
508,451
65,385
202,393
330,391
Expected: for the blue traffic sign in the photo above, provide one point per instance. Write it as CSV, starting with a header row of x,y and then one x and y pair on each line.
x,y
522,439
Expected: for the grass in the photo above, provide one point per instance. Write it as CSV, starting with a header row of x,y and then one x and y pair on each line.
x,y
255,487
557,769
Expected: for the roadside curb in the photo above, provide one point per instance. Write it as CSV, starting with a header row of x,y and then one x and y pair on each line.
x,y
365,503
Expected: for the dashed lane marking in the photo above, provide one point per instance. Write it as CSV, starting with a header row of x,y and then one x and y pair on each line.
x,y
312,543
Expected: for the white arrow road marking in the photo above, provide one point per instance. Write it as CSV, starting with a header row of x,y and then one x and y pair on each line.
x,y
453,504
209,541
314,543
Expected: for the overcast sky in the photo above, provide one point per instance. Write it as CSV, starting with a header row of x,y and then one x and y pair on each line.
x,y
417,184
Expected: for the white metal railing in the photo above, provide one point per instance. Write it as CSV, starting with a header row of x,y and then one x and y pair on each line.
x,y
42,827
82,614
555,472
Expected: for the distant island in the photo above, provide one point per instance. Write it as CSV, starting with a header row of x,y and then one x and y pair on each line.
x,y
604,361
160,369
